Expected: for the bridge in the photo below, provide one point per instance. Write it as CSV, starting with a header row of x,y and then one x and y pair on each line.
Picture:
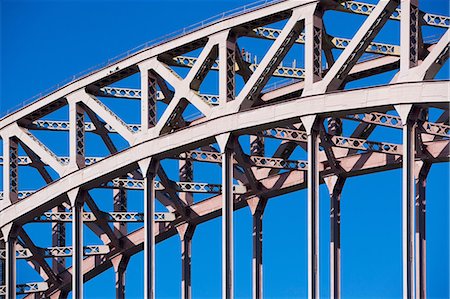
x,y
273,125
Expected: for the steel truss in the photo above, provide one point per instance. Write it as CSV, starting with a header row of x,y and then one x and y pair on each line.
x,y
213,137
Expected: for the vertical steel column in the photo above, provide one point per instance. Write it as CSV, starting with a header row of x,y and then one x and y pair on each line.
x,y
227,224
310,123
77,246
77,134
120,229
58,240
313,48
149,170
257,261
186,253
2,267
120,268
120,205
421,260
335,185
186,232
257,206
408,199
10,169
186,170
148,99
409,35
227,72
11,241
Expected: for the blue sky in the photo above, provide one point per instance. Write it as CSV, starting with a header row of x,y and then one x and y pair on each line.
x,y
44,42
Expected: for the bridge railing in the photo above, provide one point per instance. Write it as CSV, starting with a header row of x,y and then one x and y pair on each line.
x,y
152,43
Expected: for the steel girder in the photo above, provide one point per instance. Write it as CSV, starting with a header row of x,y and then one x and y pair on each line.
x,y
224,117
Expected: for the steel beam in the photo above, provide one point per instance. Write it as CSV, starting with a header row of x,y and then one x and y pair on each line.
x,y
257,145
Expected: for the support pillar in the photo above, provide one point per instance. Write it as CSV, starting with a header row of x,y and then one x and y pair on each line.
x,y
149,170
335,185
310,123
186,232
227,225
408,200
77,201
120,268
10,234
257,261
2,267
422,170
257,207
227,216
